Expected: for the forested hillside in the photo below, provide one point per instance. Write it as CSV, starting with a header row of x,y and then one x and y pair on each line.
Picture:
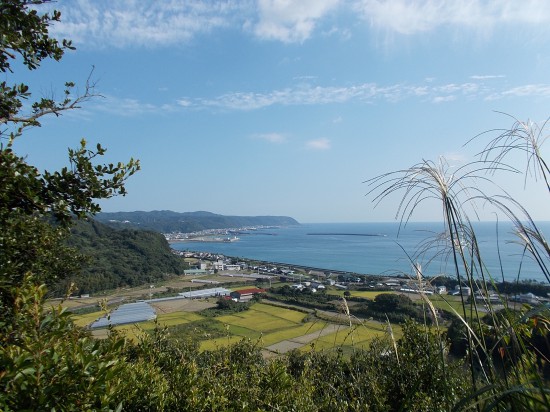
x,y
166,221
117,258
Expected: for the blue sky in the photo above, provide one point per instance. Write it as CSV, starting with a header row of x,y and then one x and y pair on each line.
x,y
279,107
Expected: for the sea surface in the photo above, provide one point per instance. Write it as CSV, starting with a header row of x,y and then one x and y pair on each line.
x,y
377,248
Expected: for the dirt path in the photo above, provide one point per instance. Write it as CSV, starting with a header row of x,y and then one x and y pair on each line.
x,y
295,343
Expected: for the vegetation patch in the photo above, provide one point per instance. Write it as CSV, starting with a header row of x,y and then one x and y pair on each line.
x,y
290,333
358,337
86,319
178,318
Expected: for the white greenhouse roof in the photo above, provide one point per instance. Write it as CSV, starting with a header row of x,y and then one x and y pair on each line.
x,y
127,313
203,293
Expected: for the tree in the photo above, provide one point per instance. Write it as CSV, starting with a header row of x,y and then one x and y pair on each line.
x,y
36,209
45,362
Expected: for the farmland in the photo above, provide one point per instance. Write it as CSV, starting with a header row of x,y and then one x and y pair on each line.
x,y
275,329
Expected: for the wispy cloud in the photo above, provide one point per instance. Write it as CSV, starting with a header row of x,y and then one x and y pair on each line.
x,y
127,107
184,102
410,17
442,99
528,90
318,144
144,23
271,137
311,95
487,76
455,158
290,21
150,23
305,95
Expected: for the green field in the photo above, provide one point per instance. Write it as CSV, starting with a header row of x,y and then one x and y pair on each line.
x,y
368,294
262,323
84,320
359,336
266,323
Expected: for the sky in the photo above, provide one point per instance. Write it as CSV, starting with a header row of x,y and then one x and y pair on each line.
x,y
281,107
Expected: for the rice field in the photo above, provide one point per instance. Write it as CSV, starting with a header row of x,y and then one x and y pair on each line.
x,y
368,294
269,326
359,336
86,319
177,318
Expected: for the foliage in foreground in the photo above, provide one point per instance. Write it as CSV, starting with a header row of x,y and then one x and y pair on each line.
x,y
49,363
505,352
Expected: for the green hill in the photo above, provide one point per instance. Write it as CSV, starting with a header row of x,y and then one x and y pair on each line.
x,y
119,258
166,221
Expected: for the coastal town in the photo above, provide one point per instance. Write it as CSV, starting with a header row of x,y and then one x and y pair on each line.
x,y
214,235
314,279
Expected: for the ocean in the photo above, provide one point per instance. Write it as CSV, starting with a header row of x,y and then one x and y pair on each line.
x,y
375,248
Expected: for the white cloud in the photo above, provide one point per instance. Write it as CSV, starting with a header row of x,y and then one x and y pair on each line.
x,y
410,17
150,23
487,77
315,95
528,90
126,107
318,144
271,137
184,102
442,99
290,21
142,23
454,158
307,95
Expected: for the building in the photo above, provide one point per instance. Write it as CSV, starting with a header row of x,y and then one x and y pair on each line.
x,y
204,293
490,297
440,290
529,298
244,295
218,265
462,290
194,272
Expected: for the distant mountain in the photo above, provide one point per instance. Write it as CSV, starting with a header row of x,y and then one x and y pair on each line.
x,y
166,221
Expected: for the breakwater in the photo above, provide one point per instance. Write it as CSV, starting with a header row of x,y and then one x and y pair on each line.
x,y
345,234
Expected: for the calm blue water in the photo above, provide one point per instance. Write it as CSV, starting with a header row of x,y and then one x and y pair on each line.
x,y
344,246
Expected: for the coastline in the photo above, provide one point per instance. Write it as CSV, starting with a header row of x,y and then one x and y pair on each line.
x,y
392,252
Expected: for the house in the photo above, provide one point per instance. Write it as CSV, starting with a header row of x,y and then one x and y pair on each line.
x,y
246,294
461,290
490,297
218,265
440,290
194,272
529,298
